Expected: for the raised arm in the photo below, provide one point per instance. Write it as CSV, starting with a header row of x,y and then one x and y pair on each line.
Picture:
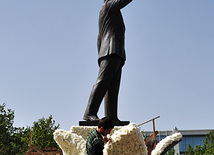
x,y
114,5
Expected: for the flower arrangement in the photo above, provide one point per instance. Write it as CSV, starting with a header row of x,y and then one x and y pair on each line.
x,y
70,143
128,140
164,143
124,140
83,130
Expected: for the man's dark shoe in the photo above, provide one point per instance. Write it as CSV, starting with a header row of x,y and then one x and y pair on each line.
x,y
91,118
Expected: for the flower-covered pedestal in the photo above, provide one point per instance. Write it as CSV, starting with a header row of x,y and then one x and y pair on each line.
x,y
124,140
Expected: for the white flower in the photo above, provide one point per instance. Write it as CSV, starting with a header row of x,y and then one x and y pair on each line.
x,y
126,141
166,142
70,143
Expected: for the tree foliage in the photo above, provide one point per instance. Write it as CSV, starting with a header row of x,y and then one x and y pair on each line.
x,y
43,130
206,149
170,152
198,150
15,140
208,146
189,150
8,137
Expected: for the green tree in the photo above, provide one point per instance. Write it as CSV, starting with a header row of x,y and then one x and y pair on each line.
x,y
198,150
21,141
206,149
208,146
170,152
15,140
189,150
6,128
10,141
42,131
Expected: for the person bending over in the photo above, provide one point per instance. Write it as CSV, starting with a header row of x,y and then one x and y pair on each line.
x,y
97,137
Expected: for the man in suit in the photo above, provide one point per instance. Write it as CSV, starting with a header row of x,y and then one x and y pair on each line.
x,y
110,43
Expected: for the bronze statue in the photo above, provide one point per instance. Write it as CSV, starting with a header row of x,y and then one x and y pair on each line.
x,y
110,43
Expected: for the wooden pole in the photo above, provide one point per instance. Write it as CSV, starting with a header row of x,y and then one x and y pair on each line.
x,y
31,138
155,142
148,121
30,143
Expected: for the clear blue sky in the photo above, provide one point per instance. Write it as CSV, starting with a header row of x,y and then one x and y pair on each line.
x,y
48,59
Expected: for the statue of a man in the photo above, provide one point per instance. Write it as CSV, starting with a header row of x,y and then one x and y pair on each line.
x,y
110,43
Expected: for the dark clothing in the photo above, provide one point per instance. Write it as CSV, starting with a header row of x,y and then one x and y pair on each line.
x,y
107,84
94,143
110,43
111,29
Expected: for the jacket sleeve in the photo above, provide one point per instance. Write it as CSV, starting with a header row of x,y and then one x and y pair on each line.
x,y
115,5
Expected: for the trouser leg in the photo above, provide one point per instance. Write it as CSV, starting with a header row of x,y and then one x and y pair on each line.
x,y
95,99
108,69
111,97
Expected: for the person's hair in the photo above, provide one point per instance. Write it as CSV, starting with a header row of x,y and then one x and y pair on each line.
x,y
106,123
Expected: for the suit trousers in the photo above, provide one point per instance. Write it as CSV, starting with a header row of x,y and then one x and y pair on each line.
x,y
107,86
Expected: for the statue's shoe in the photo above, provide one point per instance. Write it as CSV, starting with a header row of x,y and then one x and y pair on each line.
x,y
91,118
115,119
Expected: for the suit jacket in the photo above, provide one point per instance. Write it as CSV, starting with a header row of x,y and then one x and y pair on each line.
x,y
111,29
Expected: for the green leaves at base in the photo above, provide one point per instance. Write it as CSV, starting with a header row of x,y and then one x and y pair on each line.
x,y
15,140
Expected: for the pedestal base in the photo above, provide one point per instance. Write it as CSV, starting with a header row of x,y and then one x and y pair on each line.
x,y
95,123
124,140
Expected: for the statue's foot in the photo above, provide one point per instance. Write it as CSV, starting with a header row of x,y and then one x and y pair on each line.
x,y
91,118
115,119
